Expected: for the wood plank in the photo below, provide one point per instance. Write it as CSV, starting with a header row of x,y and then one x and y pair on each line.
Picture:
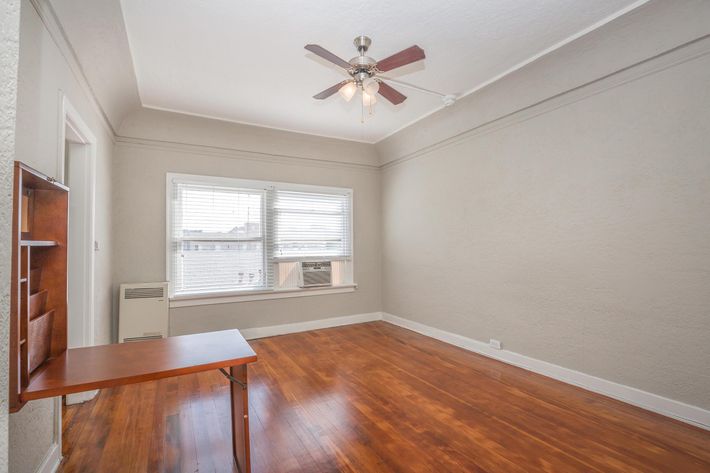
x,y
374,398
85,369
39,336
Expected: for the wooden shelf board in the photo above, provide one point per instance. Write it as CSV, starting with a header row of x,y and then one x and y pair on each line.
x,y
104,366
39,243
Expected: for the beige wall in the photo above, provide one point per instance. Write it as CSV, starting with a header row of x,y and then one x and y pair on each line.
x,y
140,167
43,72
576,232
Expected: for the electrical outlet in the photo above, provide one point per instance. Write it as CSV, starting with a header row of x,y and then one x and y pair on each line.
x,y
495,344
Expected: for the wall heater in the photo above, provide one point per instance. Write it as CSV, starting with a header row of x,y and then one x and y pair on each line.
x,y
143,312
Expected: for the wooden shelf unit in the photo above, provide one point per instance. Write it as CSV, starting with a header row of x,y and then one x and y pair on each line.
x,y
38,302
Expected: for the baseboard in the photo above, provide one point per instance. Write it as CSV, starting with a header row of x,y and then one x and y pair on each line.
x,y
261,332
668,407
52,460
78,398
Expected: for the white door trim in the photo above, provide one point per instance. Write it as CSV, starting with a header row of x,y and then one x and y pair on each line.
x,y
69,117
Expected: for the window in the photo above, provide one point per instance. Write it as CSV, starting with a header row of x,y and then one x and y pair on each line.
x,y
230,236
311,225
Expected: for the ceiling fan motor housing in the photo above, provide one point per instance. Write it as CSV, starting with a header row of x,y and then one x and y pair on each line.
x,y
362,66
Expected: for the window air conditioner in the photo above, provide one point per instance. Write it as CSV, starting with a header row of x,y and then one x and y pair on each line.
x,y
315,274
143,312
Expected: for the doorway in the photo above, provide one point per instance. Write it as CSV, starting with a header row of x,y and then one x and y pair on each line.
x,y
76,169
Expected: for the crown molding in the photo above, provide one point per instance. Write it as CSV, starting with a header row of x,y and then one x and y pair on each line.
x,y
49,18
236,153
686,52
689,51
674,56
51,21
525,62
257,125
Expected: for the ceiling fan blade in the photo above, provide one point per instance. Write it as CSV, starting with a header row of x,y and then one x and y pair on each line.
x,y
402,58
391,94
327,55
330,90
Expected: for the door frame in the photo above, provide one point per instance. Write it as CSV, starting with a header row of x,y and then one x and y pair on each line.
x,y
69,117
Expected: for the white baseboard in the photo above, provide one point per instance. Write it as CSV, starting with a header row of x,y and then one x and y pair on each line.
x,y
668,407
78,398
52,460
261,332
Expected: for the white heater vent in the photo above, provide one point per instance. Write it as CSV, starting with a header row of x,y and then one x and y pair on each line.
x,y
145,292
316,274
142,339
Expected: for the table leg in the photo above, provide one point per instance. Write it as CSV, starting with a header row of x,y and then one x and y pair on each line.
x,y
240,418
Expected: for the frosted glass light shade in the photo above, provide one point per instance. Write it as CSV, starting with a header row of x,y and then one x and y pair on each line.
x,y
371,86
347,91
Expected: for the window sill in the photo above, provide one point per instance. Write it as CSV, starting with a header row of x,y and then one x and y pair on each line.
x,y
209,299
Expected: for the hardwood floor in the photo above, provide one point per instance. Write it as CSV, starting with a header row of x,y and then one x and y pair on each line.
x,y
375,398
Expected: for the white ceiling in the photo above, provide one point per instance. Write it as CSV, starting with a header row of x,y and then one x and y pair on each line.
x,y
244,60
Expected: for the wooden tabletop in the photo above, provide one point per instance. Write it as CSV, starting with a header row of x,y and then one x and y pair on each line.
x,y
85,369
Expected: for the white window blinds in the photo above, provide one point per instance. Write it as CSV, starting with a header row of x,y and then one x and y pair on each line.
x,y
218,239
310,225
228,235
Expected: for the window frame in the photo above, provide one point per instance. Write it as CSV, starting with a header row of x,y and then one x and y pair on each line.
x,y
237,184
270,291
314,190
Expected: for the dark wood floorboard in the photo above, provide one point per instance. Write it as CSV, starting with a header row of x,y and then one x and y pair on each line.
x,y
375,398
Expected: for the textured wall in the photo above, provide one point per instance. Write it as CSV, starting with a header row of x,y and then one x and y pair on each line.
x,y
139,210
9,54
576,233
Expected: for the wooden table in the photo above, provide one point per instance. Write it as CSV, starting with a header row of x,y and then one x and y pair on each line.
x,y
104,366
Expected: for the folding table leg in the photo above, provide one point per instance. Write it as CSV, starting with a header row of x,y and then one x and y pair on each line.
x,y
240,416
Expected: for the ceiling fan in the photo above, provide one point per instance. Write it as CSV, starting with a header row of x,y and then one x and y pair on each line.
x,y
363,71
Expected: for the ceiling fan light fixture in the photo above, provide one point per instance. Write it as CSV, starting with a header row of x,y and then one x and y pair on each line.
x,y
371,86
348,91
363,70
